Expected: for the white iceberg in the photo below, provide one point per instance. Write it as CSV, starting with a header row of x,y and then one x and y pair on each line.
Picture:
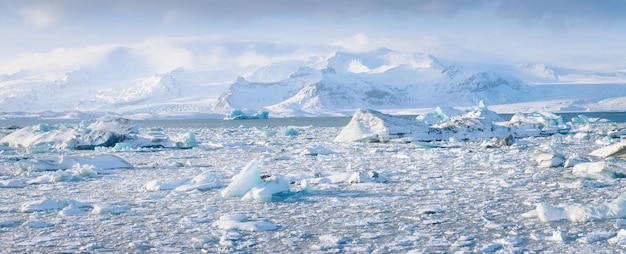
x,y
249,185
476,123
369,125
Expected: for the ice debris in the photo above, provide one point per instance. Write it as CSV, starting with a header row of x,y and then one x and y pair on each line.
x,y
98,163
549,160
598,170
241,222
201,182
580,213
615,150
249,185
107,131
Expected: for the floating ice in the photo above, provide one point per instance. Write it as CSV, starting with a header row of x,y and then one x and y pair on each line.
x,y
15,183
548,160
366,177
9,223
615,150
50,204
77,173
105,132
98,162
238,114
477,123
439,115
597,170
369,125
581,213
317,150
249,185
187,140
619,239
116,208
201,182
241,222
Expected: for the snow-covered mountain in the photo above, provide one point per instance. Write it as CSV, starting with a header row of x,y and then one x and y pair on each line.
x,y
194,79
381,79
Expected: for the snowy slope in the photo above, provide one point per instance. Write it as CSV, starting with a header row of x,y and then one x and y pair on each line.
x,y
380,79
212,78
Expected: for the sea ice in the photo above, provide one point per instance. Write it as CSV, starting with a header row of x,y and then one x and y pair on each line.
x,y
596,170
97,162
616,150
581,213
241,222
549,160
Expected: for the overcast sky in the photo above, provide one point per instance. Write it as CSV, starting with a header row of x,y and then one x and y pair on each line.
x,y
586,34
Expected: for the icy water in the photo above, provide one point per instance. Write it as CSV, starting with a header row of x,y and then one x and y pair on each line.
x,y
465,198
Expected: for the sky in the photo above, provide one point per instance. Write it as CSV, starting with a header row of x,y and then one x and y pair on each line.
x,y
578,34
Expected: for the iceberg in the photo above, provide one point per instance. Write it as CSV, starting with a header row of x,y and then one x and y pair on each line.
x,y
249,185
238,114
476,123
439,115
369,125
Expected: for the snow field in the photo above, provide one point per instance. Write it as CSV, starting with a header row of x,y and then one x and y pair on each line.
x,y
466,197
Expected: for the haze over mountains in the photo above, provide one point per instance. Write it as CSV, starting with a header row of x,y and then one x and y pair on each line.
x,y
186,81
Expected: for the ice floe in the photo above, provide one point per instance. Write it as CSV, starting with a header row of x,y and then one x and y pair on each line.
x,y
581,213
241,222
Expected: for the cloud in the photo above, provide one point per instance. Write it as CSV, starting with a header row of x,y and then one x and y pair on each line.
x,y
563,14
39,17
241,10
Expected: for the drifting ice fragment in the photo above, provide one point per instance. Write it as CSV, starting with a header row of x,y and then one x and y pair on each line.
x,y
582,213
249,185
315,151
99,162
596,170
439,115
616,150
241,222
366,177
549,160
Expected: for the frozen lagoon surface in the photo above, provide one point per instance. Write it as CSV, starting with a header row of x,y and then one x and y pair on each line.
x,y
453,196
